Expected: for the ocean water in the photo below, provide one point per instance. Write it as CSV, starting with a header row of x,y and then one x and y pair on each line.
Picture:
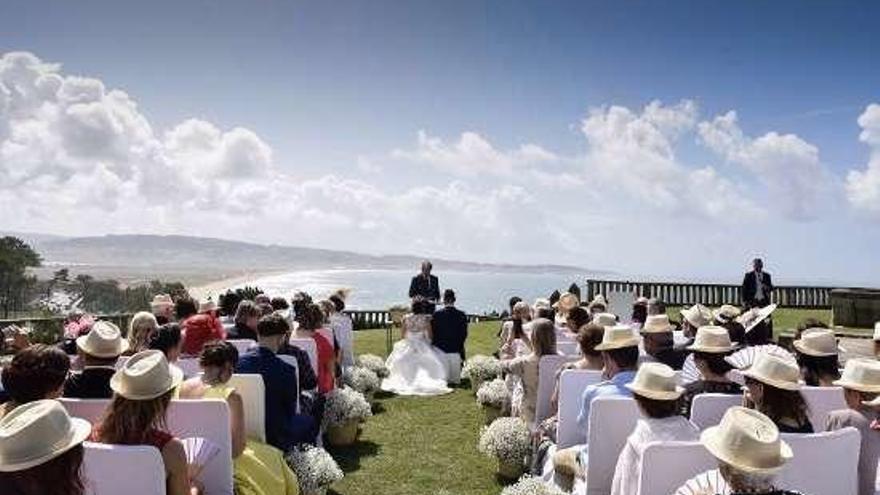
x,y
477,292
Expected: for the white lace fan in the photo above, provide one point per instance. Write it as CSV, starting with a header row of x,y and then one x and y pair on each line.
x,y
708,483
199,452
689,371
744,358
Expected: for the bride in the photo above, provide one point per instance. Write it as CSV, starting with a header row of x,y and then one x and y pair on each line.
x,y
415,366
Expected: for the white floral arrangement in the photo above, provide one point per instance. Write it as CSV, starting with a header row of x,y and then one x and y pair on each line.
x,y
345,405
373,363
508,440
315,469
530,485
361,379
494,394
481,368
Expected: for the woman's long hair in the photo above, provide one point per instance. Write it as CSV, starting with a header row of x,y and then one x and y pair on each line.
x,y
59,476
543,337
129,422
779,404
815,368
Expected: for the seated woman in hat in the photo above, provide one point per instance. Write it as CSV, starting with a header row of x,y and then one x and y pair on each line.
x,y
37,372
526,367
657,396
259,468
709,349
143,389
42,450
98,352
773,388
750,454
816,353
725,316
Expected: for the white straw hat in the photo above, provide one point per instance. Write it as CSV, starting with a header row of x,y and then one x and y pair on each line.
x,y
726,312
104,340
161,301
817,342
712,339
748,441
605,319
861,374
145,376
655,381
37,432
207,305
697,315
542,303
657,324
618,337
774,371
750,319
598,301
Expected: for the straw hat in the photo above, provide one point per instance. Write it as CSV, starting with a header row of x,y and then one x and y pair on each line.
x,y
145,376
605,319
774,371
37,432
657,324
861,374
161,301
655,381
877,331
712,339
618,337
542,303
599,300
748,441
567,302
207,305
817,342
697,315
751,318
103,341
726,312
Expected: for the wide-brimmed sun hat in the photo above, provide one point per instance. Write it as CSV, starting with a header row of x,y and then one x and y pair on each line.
x,y
818,342
37,432
697,315
712,339
774,371
618,337
657,324
604,319
860,374
655,381
753,317
104,340
161,301
145,376
567,302
726,313
748,441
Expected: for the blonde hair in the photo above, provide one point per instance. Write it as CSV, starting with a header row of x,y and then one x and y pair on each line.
x,y
141,327
543,337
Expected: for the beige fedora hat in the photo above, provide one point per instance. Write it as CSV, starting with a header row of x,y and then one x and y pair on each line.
x,y
618,337
161,301
207,305
774,371
145,376
542,303
726,312
861,374
655,381
605,319
817,342
712,339
37,432
103,341
657,324
697,315
748,441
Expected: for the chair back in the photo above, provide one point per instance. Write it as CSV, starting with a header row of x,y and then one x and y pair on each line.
x,y
571,386
128,469
667,465
291,360
242,345
568,348
824,463
612,419
547,369
821,401
310,348
253,396
708,409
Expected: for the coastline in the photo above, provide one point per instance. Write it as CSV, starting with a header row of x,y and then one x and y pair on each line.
x,y
214,288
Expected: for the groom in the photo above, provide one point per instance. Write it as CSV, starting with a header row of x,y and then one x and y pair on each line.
x,y
450,329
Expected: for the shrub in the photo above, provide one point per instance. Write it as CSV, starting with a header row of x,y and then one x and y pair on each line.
x,y
481,368
528,485
344,405
494,394
314,468
373,363
361,379
506,439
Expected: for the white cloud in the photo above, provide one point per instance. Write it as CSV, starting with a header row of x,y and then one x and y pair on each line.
x,y
863,187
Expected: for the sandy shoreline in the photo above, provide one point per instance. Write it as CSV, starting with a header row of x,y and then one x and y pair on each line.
x,y
215,288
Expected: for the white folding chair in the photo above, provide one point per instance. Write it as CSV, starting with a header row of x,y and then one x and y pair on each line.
x,y
253,396
547,369
242,345
824,463
667,465
189,366
571,386
129,469
612,419
310,348
568,348
708,409
821,401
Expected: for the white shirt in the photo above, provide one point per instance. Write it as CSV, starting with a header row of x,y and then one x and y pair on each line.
x,y
759,286
629,464
343,330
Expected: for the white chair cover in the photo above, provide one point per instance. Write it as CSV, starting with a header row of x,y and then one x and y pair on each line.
x,y
292,362
823,464
310,348
547,369
568,348
708,409
821,401
242,345
612,419
667,465
253,396
571,385
128,469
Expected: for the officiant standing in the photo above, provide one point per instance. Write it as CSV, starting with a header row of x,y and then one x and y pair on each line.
x,y
425,285
757,286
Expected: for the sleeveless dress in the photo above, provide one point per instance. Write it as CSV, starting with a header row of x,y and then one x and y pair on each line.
x,y
260,469
415,366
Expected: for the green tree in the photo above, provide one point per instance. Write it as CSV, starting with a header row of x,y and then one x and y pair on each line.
x,y
15,259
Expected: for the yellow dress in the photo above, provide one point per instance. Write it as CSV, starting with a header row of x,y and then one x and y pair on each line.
x,y
260,469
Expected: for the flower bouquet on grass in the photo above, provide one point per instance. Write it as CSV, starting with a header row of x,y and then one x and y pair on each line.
x,y
373,363
315,469
495,399
528,485
479,369
361,380
507,440
344,409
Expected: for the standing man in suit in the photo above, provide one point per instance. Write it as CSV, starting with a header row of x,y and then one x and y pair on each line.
x,y
757,286
425,285
450,329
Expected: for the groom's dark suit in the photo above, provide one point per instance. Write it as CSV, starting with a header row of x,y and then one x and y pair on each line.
x,y
450,329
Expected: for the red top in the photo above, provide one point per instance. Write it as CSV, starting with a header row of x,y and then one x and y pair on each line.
x,y
326,382
199,329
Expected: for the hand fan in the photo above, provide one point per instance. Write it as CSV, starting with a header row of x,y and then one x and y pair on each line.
x,y
744,358
199,452
708,483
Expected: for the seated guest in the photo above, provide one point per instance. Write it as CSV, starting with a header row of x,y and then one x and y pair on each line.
x,y
196,328
658,342
710,347
657,396
597,305
816,353
639,313
576,318
693,318
861,384
449,330
98,351
167,339
342,327
773,387
37,372
750,454
162,308
259,468
311,320
285,428
526,367
143,389
41,452
246,317
140,329
725,317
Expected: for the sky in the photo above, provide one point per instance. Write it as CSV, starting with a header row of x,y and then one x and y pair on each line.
x,y
670,139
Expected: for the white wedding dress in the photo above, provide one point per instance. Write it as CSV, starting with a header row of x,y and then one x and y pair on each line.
x,y
415,366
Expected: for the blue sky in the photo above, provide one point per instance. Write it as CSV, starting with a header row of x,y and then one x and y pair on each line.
x,y
342,89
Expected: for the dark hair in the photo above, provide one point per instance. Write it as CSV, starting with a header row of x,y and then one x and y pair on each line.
x,y
579,316
714,361
657,409
165,338
640,312
246,309
808,323
421,306
625,357
274,324
516,328
760,335
35,372
546,313
814,368
300,301
218,353
735,330
279,303
448,296
228,303
588,337
265,309
338,303
185,307
512,302
59,476
779,403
